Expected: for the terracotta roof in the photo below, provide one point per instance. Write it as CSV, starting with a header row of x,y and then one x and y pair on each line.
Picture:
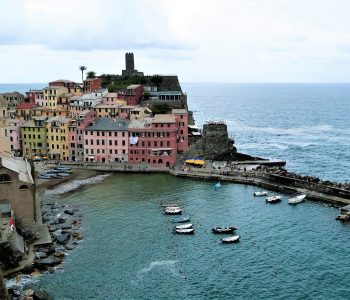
x,y
25,105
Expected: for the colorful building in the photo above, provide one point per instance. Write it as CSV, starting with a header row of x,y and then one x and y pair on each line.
x,y
51,94
57,129
24,110
33,134
77,127
181,116
107,140
91,85
132,95
153,140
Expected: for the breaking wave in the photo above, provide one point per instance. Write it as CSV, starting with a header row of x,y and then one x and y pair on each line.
x,y
74,185
167,264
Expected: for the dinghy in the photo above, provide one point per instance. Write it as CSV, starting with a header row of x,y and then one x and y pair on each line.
x,y
184,226
223,229
231,239
185,231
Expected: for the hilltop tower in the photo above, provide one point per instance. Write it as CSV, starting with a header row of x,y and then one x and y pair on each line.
x,y
130,66
129,62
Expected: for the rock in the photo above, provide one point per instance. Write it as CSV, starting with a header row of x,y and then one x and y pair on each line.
x,y
78,236
40,254
28,269
29,293
59,254
47,262
70,246
42,295
62,220
63,238
69,212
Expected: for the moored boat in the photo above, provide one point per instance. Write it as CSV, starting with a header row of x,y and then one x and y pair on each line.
x,y
273,199
173,210
223,229
181,219
231,239
63,174
184,226
297,199
63,168
184,231
260,194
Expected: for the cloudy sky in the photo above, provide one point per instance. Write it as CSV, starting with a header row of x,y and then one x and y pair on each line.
x,y
199,40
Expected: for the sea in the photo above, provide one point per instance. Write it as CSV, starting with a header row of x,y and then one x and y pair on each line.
x,y
285,252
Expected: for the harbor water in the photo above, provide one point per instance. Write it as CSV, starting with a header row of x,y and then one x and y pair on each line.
x,y
285,252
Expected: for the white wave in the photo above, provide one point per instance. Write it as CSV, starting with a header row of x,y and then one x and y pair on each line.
x,y
169,265
71,186
20,281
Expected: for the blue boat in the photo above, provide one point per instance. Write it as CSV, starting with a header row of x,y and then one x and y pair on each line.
x,y
217,185
181,219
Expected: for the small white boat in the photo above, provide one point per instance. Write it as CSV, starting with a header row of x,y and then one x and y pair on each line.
x,y
297,199
260,194
273,199
185,231
184,226
231,239
173,210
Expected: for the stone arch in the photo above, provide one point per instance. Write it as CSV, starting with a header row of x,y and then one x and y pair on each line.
x,y
23,187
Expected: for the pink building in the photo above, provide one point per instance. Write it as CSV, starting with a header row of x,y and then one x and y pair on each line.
x,y
181,116
110,99
15,138
107,140
35,96
132,95
153,141
76,134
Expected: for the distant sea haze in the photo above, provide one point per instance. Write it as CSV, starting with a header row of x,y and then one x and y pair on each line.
x,y
306,124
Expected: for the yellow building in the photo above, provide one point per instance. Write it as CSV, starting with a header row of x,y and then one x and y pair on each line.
x,y
57,129
34,137
106,111
51,95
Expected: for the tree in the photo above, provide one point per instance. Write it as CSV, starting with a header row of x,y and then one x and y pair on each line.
x,y
82,69
157,80
91,74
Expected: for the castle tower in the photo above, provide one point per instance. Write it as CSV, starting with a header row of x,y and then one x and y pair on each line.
x,y
129,62
130,66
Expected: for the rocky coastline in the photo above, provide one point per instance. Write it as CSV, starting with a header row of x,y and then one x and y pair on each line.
x,y
64,225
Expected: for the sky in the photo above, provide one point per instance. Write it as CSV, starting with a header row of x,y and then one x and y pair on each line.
x,y
199,40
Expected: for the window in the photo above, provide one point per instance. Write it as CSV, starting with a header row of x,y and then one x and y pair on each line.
x,y
5,178
123,142
110,142
115,143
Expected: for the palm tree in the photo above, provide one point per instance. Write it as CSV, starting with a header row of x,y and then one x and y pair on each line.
x,y
82,69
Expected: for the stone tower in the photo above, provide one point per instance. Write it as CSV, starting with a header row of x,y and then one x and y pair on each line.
x,y
129,62
130,66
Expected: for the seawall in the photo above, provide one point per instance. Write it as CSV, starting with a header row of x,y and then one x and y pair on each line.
x,y
271,181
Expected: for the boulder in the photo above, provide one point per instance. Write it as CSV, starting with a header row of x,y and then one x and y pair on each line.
x,y
63,238
29,293
69,211
47,262
40,255
42,295
78,236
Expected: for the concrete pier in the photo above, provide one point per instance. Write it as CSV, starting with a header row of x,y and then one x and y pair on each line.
x,y
260,178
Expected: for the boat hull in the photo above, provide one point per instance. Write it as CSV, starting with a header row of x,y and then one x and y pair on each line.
x,y
230,240
223,230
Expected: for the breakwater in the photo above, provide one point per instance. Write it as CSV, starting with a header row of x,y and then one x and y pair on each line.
x,y
272,178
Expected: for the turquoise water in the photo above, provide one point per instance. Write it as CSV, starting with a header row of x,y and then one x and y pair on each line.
x,y
306,124
129,251
286,252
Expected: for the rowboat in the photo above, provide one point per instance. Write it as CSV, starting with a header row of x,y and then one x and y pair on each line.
x,y
181,219
297,199
231,239
273,199
184,231
184,226
223,229
261,193
173,210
